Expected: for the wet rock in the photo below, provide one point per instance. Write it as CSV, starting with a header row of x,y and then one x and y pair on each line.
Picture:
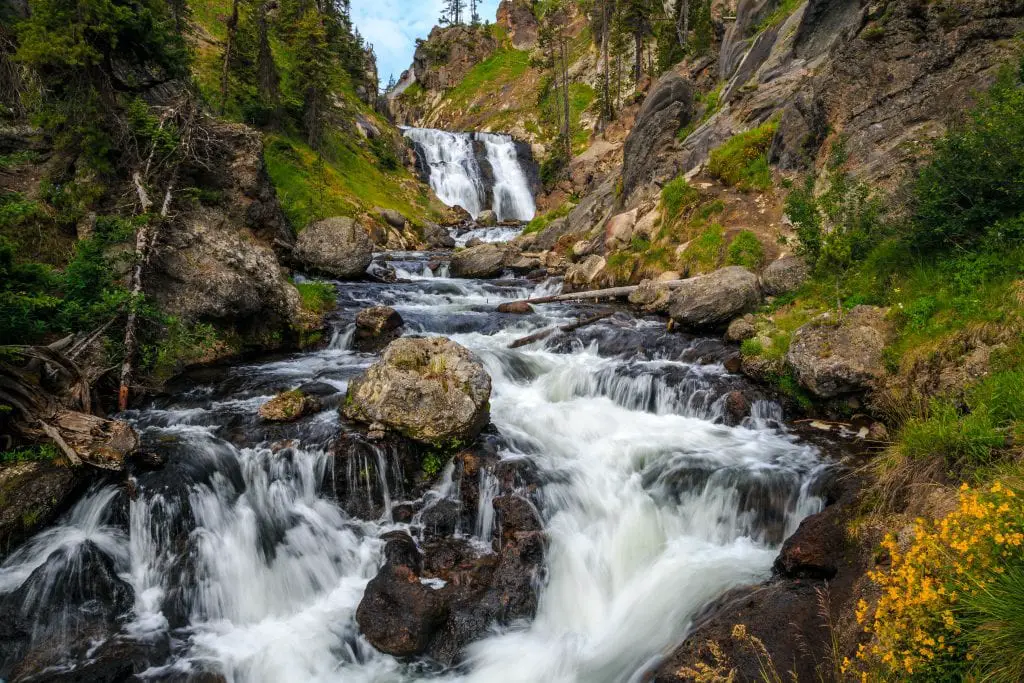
x,y
516,514
784,275
647,154
399,614
515,307
288,406
376,327
524,264
474,242
391,217
816,549
487,218
736,408
437,237
741,329
831,357
32,495
651,297
583,276
442,518
712,300
431,390
733,363
72,600
366,473
339,247
480,261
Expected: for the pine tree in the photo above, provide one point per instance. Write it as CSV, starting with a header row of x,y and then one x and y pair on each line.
x,y
474,13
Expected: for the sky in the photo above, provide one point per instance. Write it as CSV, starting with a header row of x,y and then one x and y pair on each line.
x,y
392,27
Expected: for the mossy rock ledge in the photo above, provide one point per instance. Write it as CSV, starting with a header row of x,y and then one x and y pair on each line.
x,y
430,390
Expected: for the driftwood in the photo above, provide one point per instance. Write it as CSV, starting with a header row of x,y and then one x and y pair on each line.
x,y
610,293
544,334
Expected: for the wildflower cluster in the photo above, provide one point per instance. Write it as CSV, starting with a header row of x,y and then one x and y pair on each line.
x,y
921,624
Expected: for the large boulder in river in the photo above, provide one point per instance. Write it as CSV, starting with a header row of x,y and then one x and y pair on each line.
x,y
376,327
437,237
288,406
711,301
430,390
33,494
481,261
339,247
487,218
784,275
832,356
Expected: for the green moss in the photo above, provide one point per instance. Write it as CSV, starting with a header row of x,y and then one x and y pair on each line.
x,y
742,161
678,195
778,15
705,251
42,452
505,65
544,220
317,296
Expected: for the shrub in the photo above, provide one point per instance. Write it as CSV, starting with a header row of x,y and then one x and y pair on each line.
x,y
743,159
705,250
947,607
317,296
745,250
44,452
962,441
973,186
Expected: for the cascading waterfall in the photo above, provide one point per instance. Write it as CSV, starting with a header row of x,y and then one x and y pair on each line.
x,y
238,554
458,180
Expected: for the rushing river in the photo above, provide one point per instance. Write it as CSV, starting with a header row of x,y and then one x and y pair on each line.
x,y
651,505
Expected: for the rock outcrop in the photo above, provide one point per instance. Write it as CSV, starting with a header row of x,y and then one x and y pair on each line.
x,y
338,247
784,275
584,275
648,150
713,300
517,17
32,495
832,356
430,390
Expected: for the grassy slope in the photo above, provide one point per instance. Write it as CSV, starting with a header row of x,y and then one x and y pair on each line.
x,y
349,179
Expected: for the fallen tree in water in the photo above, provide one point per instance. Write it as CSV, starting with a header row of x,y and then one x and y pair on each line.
x,y
545,333
609,293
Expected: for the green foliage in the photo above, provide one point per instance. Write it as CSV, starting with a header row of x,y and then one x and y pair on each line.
x,y
962,441
745,250
505,65
432,464
751,347
778,15
742,160
43,452
972,189
317,296
180,346
994,622
706,250
678,195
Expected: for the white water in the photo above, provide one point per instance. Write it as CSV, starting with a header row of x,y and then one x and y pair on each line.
x,y
457,179
643,506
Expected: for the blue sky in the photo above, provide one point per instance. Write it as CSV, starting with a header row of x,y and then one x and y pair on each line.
x,y
393,26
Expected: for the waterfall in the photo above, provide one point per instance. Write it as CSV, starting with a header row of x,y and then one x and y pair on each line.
x,y
454,163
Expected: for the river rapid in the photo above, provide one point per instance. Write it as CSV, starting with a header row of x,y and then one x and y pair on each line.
x,y
235,558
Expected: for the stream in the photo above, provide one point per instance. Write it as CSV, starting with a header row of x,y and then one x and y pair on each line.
x,y
235,558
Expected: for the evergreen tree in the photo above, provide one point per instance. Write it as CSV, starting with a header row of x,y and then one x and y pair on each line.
x,y
474,13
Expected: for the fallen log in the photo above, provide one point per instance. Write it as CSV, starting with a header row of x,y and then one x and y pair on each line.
x,y
545,333
610,293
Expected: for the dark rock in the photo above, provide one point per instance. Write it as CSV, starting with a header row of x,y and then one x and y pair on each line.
x,y
733,364
736,408
359,466
399,614
431,390
339,247
647,153
376,327
515,514
437,237
442,518
391,217
712,300
816,549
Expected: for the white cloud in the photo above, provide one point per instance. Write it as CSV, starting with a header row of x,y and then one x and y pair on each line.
x,y
392,27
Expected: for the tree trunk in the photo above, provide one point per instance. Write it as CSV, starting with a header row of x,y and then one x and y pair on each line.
x,y
232,25
638,59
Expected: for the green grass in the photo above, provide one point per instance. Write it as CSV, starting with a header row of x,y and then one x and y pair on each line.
x,y
995,620
504,66
317,296
778,15
344,182
745,250
742,161
543,220
678,195
706,250
43,452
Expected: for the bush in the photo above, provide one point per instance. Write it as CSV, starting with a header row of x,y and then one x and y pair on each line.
x,y
745,250
972,189
951,606
317,296
43,452
743,159
962,441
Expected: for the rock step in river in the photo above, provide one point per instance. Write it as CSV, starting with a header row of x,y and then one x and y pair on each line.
x,y
246,555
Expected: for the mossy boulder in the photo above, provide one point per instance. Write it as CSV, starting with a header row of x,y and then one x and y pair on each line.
x,y
431,390
288,406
